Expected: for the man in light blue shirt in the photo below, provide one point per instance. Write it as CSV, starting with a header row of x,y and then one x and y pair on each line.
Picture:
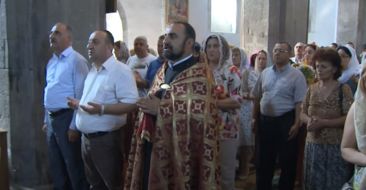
x,y
278,94
66,72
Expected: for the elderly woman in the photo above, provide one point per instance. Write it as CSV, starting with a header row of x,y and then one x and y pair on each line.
x,y
227,80
350,66
353,145
324,109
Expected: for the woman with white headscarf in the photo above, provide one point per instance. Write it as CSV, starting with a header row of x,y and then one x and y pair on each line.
x,y
353,144
227,80
239,58
350,65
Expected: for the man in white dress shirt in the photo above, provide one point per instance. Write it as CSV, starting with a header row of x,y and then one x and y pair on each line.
x,y
110,92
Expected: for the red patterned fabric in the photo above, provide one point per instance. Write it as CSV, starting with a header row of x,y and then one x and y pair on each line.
x,y
185,139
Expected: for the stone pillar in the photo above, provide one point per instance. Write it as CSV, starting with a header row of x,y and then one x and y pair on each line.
x,y
255,25
361,27
276,19
288,21
24,52
4,70
4,101
351,22
267,22
347,21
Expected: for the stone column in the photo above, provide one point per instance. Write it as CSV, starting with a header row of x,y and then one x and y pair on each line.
x,y
288,21
24,52
361,27
351,22
347,21
255,25
267,22
4,101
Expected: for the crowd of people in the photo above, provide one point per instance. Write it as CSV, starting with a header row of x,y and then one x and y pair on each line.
x,y
201,116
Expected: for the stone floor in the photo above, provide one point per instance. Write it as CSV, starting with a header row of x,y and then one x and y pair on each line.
x,y
249,183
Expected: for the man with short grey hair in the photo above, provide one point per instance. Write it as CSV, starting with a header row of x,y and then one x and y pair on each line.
x,y
66,72
278,94
299,51
140,62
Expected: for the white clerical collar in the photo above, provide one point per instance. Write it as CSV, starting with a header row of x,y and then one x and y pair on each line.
x,y
171,64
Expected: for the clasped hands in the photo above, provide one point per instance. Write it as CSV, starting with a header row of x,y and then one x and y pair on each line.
x,y
314,124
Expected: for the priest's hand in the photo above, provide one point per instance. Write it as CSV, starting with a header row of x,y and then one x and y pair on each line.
x,y
149,104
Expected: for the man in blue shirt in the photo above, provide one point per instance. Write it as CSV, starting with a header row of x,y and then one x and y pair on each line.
x,y
278,93
66,72
156,64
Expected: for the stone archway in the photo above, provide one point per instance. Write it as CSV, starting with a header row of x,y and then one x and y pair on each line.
x,y
122,14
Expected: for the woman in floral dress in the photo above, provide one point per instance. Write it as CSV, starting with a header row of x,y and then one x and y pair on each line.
x,y
227,80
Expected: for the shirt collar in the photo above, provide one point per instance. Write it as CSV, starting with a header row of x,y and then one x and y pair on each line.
x,y
107,65
66,52
284,68
171,64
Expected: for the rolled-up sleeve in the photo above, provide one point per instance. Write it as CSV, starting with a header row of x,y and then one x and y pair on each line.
x,y
126,89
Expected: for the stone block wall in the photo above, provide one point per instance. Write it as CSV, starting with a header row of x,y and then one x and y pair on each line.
x,y
24,47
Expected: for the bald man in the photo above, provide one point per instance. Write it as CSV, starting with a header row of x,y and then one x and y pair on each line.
x,y
140,62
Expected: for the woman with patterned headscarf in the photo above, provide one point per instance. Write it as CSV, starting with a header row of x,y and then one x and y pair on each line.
x,y
227,80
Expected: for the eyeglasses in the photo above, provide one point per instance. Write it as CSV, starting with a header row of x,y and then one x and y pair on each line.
x,y
279,51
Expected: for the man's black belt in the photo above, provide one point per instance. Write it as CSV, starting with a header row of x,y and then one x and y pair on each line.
x,y
59,112
96,134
